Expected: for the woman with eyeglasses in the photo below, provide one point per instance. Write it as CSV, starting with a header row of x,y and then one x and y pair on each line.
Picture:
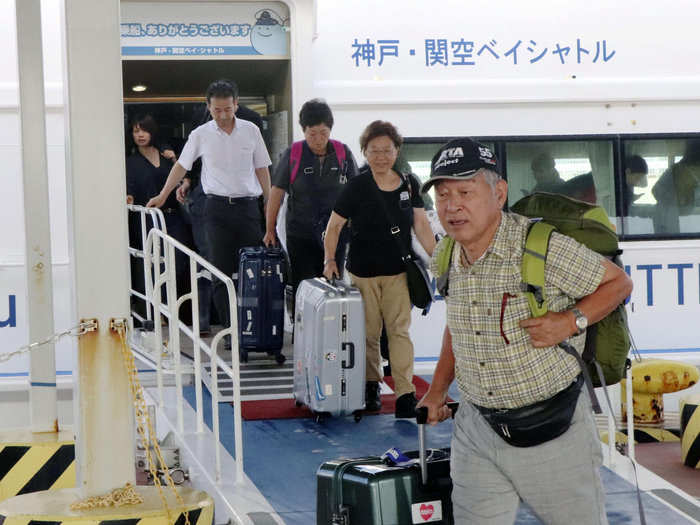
x,y
377,196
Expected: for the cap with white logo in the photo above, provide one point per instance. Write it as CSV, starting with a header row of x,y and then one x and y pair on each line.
x,y
460,159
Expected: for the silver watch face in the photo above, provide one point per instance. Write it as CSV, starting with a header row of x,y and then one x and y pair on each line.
x,y
581,322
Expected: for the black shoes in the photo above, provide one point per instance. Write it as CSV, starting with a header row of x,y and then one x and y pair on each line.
x,y
406,406
373,401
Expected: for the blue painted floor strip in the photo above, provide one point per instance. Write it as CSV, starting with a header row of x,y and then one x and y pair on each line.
x,y
281,457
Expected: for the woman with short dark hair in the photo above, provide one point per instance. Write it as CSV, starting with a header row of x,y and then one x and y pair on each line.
x,y
377,199
146,167
147,170
312,172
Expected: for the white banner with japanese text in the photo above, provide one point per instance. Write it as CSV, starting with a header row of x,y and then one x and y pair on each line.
x,y
482,51
204,29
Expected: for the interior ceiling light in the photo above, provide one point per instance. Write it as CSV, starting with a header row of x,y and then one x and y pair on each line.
x,y
138,88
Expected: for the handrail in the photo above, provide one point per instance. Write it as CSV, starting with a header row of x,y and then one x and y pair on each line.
x,y
159,269
158,219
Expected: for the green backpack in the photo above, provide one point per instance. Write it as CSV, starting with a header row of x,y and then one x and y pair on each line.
x,y
608,340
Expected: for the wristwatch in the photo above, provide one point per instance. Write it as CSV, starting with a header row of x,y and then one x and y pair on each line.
x,y
581,321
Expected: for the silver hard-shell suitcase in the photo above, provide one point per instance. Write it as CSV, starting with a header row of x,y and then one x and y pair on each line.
x,y
329,348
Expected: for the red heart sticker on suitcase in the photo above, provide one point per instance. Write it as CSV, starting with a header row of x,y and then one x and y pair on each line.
x,y
426,511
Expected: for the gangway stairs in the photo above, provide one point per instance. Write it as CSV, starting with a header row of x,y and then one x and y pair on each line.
x,y
261,378
143,343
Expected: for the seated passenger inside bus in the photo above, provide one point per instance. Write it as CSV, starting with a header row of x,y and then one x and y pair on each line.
x,y
546,175
677,192
636,171
548,179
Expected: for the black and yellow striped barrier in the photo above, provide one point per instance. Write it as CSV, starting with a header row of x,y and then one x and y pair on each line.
x,y
35,462
53,508
690,431
655,435
645,435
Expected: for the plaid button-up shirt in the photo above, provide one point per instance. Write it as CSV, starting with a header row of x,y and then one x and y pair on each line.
x,y
485,305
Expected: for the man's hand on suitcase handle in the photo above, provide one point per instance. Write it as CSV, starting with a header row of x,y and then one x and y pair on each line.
x,y
270,239
443,412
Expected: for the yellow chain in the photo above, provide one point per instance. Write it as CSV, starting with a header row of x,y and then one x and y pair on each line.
x,y
127,495
141,418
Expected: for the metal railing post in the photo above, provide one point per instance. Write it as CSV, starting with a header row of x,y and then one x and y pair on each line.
x,y
236,369
157,327
630,417
215,403
174,329
612,437
147,283
199,411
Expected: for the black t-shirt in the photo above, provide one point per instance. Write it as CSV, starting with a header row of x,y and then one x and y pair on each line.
x,y
373,251
315,189
144,180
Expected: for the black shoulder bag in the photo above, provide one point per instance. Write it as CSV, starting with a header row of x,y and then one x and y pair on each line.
x,y
419,287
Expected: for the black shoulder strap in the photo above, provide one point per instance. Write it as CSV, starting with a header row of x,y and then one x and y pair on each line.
x,y
394,229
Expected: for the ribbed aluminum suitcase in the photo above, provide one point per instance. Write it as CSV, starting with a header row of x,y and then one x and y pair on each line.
x,y
329,348
261,282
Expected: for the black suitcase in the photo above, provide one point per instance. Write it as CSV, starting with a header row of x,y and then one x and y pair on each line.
x,y
261,282
373,491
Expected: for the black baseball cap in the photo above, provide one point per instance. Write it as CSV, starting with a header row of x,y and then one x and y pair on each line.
x,y
460,159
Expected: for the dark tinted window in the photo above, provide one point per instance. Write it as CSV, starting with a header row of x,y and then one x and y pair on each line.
x,y
648,186
661,187
582,169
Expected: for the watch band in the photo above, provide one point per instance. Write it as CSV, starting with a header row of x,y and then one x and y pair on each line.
x,y
578,314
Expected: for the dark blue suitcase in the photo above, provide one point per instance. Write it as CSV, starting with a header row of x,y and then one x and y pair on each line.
x,y
261,282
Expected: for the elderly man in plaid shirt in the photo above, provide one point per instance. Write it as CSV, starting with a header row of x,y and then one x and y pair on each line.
x,y
507,365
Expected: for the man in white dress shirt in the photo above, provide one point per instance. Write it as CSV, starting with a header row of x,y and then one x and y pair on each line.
x,y
234,174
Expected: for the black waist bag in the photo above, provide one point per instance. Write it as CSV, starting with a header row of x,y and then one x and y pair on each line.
x,y
537,423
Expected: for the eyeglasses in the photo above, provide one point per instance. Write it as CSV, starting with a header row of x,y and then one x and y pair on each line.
x,y
381,152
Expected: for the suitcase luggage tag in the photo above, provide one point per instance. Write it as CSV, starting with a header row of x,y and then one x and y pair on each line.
x,y
395,457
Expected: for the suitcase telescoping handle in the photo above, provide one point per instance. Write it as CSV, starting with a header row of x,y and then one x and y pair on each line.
x,y
422,419
350,363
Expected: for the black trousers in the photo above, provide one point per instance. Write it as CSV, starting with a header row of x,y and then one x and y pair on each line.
x,y
196,202
230,226
306,259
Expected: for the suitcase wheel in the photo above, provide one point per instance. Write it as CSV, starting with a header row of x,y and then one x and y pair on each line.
x,y
243,355
298,404
280,358
319,417
358,416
